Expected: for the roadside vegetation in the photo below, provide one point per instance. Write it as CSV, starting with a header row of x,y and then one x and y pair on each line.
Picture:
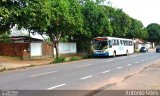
x,y
74,58
59,60
62,59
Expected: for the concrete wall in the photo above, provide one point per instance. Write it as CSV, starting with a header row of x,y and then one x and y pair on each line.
x,y
67,48
39,50
147,45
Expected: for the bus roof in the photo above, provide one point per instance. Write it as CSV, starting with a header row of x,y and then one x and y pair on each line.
x,y
109,38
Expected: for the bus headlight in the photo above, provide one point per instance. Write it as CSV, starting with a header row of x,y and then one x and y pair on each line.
x,y
94,51
106,51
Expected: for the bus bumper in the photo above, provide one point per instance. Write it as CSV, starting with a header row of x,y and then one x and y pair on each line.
x,y
100,54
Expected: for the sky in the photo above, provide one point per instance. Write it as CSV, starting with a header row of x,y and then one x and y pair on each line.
x,y
146,11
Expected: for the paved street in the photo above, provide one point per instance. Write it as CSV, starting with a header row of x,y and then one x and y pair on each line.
x,y
80,75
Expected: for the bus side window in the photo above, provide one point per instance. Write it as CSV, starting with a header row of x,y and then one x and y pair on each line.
x,y
117,42
127,43
131,43
124,42
114,42
110,44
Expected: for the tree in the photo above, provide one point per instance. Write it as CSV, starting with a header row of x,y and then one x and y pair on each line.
x,y
120,22
55,18
65,20
5,37
35,16
9,12
82,20
144,34
137,30
96,22
125,26
153,30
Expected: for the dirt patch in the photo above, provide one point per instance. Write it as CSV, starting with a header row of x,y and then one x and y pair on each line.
x,y
17,60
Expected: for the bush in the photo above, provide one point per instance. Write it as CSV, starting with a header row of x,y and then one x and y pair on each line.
x,y
59,60
75,58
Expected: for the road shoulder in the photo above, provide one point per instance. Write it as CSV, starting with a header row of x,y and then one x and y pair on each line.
x,y
147,79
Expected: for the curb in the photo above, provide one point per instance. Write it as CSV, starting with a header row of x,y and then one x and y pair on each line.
x,y
3,69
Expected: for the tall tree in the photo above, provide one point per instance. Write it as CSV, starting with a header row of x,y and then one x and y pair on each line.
x,y
9,12
125,26
137,30
64,20
120,22
35,16
96,22
55,18
153,30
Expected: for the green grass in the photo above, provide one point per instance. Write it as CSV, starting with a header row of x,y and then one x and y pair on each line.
x,y
68,59
59,60
75,58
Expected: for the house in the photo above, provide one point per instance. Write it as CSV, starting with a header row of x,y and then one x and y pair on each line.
x,y
30,48
141,43
26,47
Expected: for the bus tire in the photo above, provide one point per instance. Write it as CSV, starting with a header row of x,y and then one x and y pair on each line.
x,y
127,53
114,54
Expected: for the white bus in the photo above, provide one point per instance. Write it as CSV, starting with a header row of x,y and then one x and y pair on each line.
x,y
112,46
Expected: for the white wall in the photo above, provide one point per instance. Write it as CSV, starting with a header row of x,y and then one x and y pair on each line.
x,y
144,45
148,45
36,49
67,48
140,45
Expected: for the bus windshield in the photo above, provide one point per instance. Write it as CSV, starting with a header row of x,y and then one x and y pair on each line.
x,y
100,45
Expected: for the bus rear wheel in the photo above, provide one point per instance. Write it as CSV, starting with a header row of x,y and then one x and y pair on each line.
x,y
114,54
127,53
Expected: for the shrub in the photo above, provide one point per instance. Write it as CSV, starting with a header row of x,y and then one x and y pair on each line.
x,y
59,60
75,58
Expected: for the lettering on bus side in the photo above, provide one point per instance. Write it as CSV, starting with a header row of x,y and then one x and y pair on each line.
x,y
122,42
115,42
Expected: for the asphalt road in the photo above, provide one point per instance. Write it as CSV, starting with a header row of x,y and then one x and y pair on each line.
x,y
86,75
